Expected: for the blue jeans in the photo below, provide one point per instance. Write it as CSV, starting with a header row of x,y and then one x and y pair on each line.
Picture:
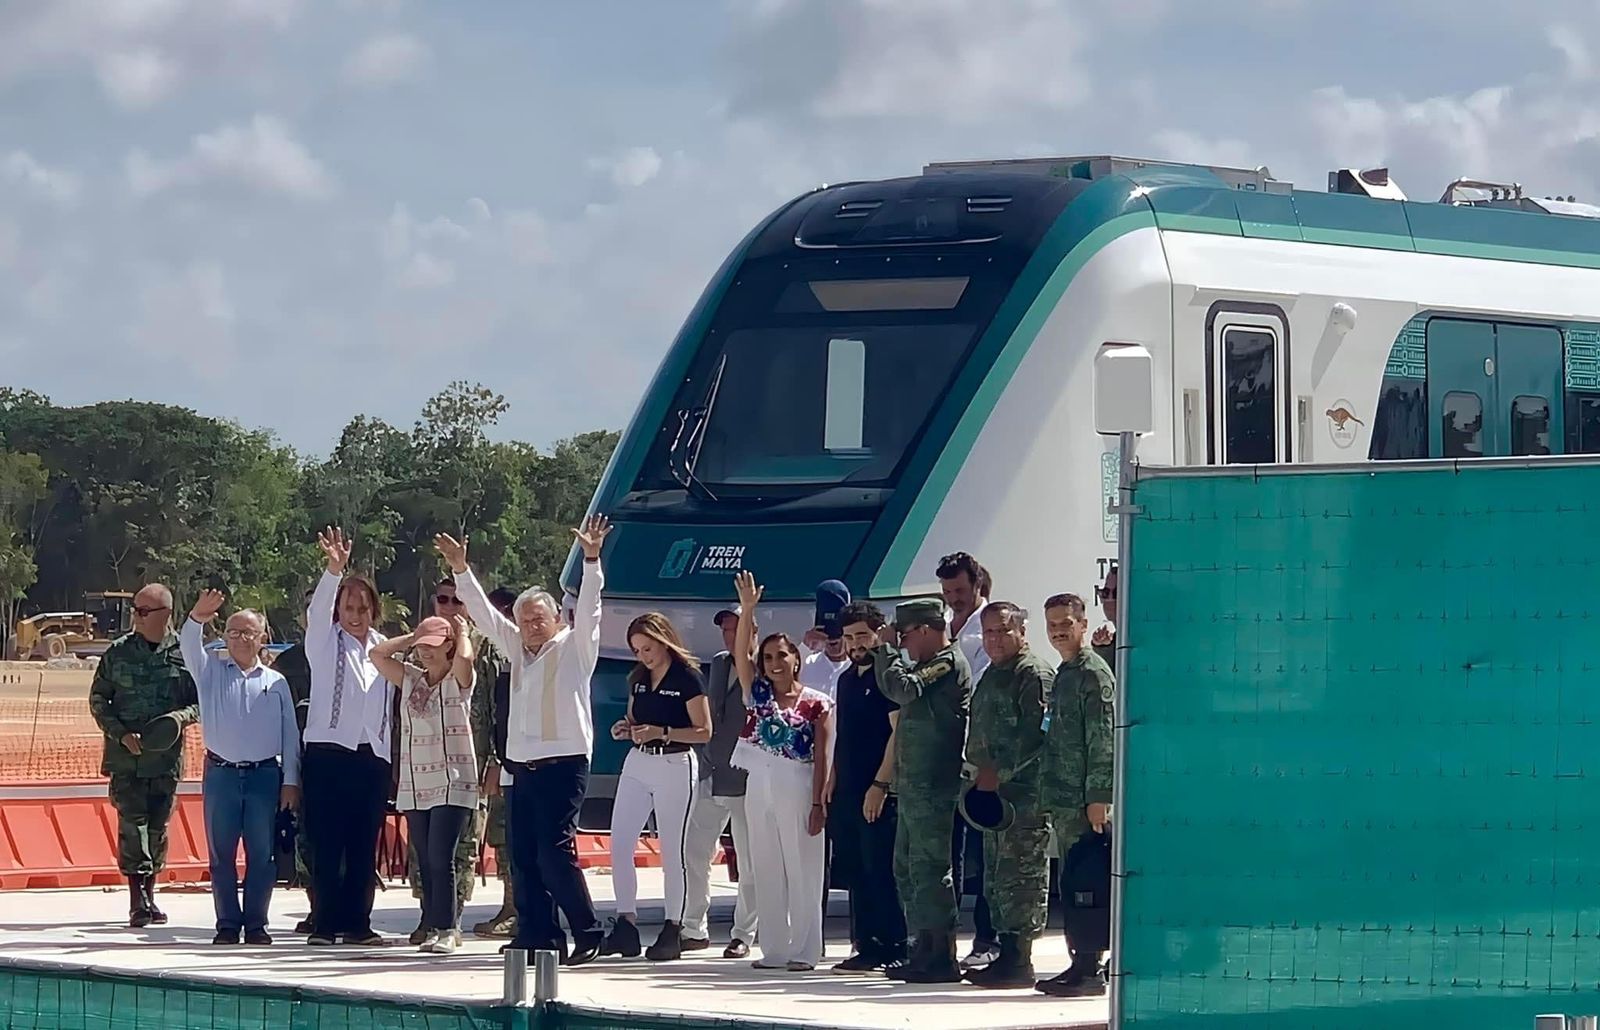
x,y
241,804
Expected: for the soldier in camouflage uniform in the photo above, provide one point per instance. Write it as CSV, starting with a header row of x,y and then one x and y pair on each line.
x,y
1004,744
504,922
141,678
933,689
1078,760
485,667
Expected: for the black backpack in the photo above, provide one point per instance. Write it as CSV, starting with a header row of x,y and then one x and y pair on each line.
x,y
1086,899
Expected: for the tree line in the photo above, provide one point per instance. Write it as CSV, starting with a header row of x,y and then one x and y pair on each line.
x,y
113,495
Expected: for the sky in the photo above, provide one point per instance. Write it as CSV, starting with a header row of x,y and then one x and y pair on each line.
x,y
289,212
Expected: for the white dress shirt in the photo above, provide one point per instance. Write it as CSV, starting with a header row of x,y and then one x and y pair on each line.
x,y
350,699
821,673
970,639
549,714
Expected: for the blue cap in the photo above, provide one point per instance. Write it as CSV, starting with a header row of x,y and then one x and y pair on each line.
x,y
832,596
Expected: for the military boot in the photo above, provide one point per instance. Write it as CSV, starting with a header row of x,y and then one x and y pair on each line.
x,y
1012,968
919,952
501,924
138,907
156,915
938,964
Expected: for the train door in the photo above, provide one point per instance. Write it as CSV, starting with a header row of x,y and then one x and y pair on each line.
x,y
1493,390
1247,357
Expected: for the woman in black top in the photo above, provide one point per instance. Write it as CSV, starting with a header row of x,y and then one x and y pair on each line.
x,y
667,715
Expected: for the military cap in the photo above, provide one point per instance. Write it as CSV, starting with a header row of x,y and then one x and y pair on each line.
x,y
921,611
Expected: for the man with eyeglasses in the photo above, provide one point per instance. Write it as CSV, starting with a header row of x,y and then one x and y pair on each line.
x,y
252,763
447,605
143,699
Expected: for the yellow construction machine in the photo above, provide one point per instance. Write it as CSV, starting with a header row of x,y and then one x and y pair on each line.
x,y
106,616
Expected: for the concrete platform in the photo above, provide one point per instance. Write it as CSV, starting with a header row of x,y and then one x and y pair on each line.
x,y
85,928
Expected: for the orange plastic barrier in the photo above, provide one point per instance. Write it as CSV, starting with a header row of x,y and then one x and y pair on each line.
x,y
71,841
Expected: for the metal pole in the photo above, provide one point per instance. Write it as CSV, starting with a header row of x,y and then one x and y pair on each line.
x,y
514,989
1125,511
545,964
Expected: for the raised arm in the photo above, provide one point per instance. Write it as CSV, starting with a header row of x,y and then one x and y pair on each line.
x,y
744,643
586,615
485,616
385,658
901,683
465,664
191,638
319,613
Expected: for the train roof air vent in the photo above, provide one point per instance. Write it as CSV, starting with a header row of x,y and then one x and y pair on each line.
x,y
858,208
987,205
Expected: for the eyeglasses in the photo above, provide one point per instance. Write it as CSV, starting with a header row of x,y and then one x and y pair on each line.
x,y
241,634
147,612
446,599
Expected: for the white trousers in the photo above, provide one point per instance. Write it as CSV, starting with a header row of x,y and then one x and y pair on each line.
x,y
663,784
710,817
786,862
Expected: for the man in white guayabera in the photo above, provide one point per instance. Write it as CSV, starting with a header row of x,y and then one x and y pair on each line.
x,y
549,739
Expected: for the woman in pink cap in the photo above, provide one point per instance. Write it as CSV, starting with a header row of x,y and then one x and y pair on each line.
x,y
438,788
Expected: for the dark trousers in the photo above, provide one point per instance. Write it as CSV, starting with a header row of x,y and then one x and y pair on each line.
x,y
241,804
966,856
345,796
435,834
864,852
543,829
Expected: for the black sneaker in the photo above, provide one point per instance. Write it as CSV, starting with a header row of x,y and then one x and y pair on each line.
x,y
736,949
1084,981
226,937
668,946
982,953
257,938
860,962
623,940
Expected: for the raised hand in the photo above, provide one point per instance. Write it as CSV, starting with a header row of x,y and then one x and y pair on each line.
x,y
206,608
336,547
459,623
593,533
749,592
453,551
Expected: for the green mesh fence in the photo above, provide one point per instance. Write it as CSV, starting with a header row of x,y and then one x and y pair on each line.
x,y
1362,707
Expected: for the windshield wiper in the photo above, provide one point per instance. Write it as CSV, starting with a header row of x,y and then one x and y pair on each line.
x,y
684,454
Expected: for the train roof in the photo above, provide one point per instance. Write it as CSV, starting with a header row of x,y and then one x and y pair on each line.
x,y
1362,209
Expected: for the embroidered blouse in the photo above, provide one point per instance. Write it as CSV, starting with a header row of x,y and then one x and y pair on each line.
x,y
437,765
773,733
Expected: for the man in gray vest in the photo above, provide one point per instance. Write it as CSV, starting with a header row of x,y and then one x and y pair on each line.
x,y
719,800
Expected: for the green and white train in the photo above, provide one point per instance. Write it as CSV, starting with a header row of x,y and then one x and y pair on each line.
x,y
885,372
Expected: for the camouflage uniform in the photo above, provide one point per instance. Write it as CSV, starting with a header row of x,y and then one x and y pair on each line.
x,y
136,682
933,697
485,667
1078,747
1008,733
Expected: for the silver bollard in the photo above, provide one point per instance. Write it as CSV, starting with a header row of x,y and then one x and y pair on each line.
x,y
545,964
1549,1023
514,990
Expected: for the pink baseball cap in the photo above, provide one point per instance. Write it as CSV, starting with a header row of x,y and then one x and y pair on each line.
x,y
433,631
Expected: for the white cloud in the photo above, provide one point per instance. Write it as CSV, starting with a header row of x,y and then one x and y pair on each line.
x,y
262,154
1574,50
139,51
21,169
387,59
186,314
137,79
632,168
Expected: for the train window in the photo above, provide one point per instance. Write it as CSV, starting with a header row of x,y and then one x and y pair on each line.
x,y
845,409
1583,422
1400,427
1249,396
1530,425
1461,425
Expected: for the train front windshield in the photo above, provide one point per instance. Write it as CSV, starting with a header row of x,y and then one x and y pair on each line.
x,y
822,372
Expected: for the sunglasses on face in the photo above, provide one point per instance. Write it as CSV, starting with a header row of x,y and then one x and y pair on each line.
x,y
446,599
147,612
